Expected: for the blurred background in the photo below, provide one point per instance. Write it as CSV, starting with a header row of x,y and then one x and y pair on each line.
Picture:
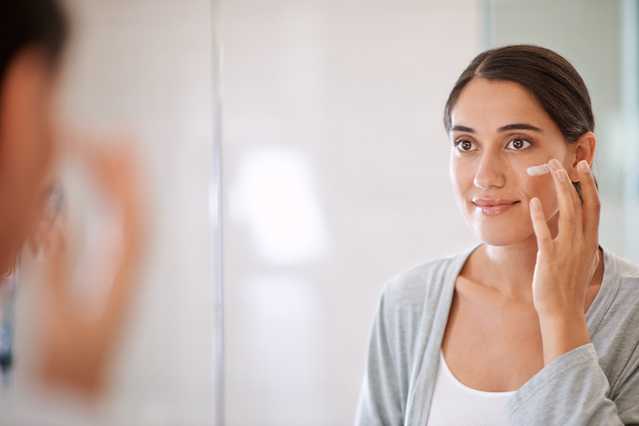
x,y
296,160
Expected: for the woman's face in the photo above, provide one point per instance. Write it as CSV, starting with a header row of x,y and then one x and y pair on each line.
x,y
26,149
498,130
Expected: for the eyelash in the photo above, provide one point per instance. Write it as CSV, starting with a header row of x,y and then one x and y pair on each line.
x,y
458,142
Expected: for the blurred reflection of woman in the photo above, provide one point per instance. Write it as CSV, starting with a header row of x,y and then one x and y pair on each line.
x,y
538,324
76,346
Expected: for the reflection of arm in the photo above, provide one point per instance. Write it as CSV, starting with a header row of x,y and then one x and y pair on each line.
x,y
573,390
77,344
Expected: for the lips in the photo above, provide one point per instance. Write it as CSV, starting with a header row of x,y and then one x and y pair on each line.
x,y
484,202
493,207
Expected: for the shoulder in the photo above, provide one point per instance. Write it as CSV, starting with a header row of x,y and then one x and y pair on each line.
x,y
619,309
624,268
423,282
617,340
624,274
411,299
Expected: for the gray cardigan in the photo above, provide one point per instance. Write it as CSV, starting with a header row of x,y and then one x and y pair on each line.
x,y
595,384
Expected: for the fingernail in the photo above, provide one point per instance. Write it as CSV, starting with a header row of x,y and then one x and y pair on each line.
x,y
583,166
535,203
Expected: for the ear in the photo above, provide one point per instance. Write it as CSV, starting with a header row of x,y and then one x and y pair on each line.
x,y
583,149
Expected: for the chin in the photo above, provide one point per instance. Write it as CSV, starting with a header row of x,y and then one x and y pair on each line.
x,y
497,240
501,235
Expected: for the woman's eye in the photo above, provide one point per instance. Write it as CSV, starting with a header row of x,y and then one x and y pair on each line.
x,y
518,144
464,145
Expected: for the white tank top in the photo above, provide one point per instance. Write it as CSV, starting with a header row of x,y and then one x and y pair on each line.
x,y
455,404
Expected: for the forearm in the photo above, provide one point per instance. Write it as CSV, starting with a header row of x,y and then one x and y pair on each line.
x,y
562,333
573,390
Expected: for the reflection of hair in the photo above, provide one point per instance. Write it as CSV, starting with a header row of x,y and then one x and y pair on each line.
x,y
31,23
555,83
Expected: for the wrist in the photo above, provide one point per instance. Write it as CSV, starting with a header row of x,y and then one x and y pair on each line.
x,y
562,333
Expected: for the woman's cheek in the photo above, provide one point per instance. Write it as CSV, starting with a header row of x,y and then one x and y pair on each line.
x,y
542,188
455,178
534,186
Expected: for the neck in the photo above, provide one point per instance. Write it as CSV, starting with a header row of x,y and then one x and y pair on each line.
x,y
509,268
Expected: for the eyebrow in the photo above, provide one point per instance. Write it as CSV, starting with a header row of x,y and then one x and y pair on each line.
x,y
506,128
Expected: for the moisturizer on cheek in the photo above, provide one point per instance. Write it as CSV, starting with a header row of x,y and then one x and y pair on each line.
x,y
539,170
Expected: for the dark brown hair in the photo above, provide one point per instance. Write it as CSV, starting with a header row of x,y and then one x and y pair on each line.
x,y
555,83
31,23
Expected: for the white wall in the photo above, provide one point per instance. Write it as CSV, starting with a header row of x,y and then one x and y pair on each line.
x,y
147,66
335,178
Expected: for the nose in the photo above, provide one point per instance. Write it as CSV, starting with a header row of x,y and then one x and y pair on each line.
x,y
489,172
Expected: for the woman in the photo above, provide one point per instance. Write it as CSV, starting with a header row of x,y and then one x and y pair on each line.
x,y
537,325
75,346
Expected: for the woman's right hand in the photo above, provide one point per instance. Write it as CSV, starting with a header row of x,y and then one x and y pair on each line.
x,y
76,345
